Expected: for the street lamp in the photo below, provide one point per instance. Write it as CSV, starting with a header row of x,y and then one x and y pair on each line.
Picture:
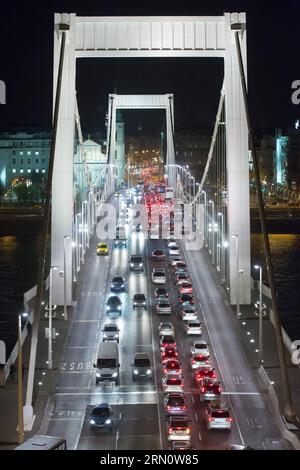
x,y
205,216
225,245
66,237
213,230
52,268
220,243
261,306
83,237
238,313
20,383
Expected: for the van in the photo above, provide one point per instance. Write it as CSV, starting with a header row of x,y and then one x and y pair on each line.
x,y
107,367
136,263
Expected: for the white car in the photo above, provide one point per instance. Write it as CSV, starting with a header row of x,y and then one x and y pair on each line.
x,y
178,429
163,307
165,328
200,362
172,383
159,276
172,245
188,312
218,417
199,347
174,251
193,327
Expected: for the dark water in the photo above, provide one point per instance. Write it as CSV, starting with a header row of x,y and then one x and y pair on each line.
x,y
18,267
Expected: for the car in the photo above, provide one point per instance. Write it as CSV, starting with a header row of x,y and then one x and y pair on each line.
x,y
209,389
139,300
102,249
172,367
175,260
179,270
172,383
174,252
239,447
159,276
117,284
166,328
172,244
114,305
163,307
167,341
218,417
186,298
120,243
158,255
200,362
174,404
188,312
181,277
141,366
178,429
110,332
101,417
185,288
193,327
161,293
180,445
200,374
168,353
180,265
199,347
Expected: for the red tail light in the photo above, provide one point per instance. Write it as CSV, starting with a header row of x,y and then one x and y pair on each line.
x,y
211,419
170,430
168,407
229,419
202,389
193,361
219,389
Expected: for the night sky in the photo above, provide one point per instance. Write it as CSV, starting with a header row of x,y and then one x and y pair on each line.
x,y
26,48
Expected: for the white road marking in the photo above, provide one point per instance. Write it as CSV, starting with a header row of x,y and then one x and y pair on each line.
x,y
199,436
193,399
86,321
117,438
196,417
80,347
240,393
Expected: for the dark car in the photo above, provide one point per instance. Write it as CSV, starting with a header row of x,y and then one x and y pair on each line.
x,y
117,284
139,300
141,366
186,298
158,255
161,293
114,305
101,416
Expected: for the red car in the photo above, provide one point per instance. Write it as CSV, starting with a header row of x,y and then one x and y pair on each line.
x,y
172,367
200,374
168,354
185,288
167,341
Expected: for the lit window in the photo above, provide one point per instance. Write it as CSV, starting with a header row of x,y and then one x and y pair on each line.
x,y
14,170
43,170
28,152
37,170
29,170
36,153
21,170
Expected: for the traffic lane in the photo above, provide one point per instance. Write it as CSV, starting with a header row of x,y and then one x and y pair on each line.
x,y
201,438
237,375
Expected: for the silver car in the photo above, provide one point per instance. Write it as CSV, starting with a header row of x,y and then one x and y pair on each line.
x,y
199,347
163,307
193,327
188,312
110,332
166,328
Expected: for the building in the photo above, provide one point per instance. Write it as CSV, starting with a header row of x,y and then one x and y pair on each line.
x,y
23,155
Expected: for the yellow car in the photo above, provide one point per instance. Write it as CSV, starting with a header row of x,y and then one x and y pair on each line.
x,y
102,249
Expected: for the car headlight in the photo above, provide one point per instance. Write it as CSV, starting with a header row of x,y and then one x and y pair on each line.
x,y
116,336
144,303
115,374
92,421
119,307
108,421
134,303
104,336
131,264
97,374
135,371
141,264
148,372
123,285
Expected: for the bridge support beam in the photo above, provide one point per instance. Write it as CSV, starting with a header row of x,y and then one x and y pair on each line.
x,y
237,167
62,186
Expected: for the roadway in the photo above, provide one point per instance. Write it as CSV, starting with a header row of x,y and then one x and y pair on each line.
x,y
139,419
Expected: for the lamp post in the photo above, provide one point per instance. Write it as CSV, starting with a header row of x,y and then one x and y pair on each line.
x,y
66,237
52,268
77,241
220,242
236,237
20,383
213,230
260,337
83,237
225,245
205,216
